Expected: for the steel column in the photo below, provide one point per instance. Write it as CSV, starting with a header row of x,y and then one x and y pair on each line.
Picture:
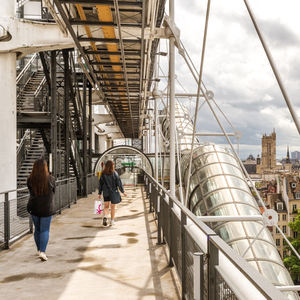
x,y
172,102
84,140
53,114
90,129
6,221
67,112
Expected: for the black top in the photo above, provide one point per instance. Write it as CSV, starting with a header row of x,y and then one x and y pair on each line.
x,y
42,206
113,180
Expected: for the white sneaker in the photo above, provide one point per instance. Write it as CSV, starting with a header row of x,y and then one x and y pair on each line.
x,y
112,223
43,256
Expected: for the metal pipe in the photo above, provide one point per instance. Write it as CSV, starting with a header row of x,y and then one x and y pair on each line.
x,y
172,101
274,68
198,96
229,218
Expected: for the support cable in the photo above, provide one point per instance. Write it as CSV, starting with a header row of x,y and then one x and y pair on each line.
x,y
123,59
198,96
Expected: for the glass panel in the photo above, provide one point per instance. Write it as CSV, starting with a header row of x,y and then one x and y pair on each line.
x,y
193,182
231,230
196,197
226,158
200,209
221,196
275,273
237,182
240,247
253,228
213,183
263,249
230,169
241,196
205,159
254,265
225,150
225,210
209,171
248,210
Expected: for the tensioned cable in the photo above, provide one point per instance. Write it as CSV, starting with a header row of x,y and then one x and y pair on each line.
x,y
116,4
198,96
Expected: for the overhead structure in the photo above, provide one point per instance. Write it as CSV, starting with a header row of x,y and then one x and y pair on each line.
x,y
111,39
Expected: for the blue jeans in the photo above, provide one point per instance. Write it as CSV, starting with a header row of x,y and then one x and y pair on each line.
x,y
41,231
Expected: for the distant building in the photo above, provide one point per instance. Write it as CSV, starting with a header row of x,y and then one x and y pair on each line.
x,y
295,155
268,154
282,195
250,164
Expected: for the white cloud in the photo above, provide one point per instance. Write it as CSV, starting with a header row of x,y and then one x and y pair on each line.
x,y
237,70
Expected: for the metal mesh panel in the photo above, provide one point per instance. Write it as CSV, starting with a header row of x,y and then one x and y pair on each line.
x,y
191,247
223,290
19,217
64,195
176,243
1,224
166,221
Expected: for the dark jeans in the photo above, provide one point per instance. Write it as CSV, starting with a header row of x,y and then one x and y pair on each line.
x,y
41,231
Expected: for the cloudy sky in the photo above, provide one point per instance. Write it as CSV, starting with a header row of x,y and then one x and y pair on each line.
x,y
236,68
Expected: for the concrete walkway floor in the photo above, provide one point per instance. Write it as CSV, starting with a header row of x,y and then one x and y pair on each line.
x,y
89,261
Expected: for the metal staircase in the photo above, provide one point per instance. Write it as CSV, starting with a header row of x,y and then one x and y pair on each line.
x,y
32,98
35,149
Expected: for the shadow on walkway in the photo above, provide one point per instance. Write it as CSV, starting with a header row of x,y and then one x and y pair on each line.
x,y
89,261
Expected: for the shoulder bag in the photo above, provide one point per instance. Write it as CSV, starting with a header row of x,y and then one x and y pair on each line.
x,y
114,194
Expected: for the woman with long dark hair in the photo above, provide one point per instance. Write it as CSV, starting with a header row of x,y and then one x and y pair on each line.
x,y
41,205
109,184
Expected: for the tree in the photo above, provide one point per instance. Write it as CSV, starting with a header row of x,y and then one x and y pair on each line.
x,y
292,262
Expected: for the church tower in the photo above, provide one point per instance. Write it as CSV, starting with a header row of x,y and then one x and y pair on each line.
x,y
268,155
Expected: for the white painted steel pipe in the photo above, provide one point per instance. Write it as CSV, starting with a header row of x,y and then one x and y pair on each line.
x,y
229,218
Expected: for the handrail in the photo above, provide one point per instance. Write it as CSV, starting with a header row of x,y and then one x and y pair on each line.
x,y
26,134
213,244
39,88
26,68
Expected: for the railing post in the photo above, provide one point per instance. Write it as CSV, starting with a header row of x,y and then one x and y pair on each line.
x,y
183,255
6,221
59,198
159,219
198,276
213,261
170,206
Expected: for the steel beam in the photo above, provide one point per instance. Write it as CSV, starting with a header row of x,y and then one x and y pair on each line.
x,y
108,41
98,23
102,2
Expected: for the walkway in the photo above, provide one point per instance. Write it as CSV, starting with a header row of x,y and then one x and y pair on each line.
x,y
89,261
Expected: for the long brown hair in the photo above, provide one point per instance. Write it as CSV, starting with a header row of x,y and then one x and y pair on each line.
x,y
38,177
108,168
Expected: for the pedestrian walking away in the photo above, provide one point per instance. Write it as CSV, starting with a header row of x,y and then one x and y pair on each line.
x,y
41,204
109,184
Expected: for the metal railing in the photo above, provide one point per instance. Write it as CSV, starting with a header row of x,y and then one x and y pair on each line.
x,y
14,218
91,183
208,268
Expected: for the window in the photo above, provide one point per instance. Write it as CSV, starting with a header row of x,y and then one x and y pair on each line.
x,y
284,217
277,231
297,195
279,206
278,217
284,229
278,242
294,207
284,254
295,234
